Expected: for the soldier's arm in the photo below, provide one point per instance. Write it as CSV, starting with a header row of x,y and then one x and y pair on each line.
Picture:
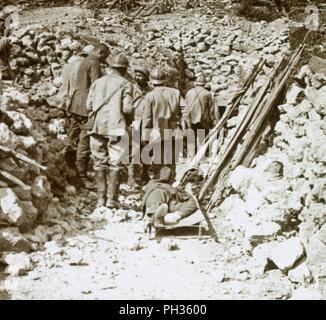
x,y
147,119
95,71
127,99
90,97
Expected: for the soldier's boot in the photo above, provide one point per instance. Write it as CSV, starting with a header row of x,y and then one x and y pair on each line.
x,y
113,190
82,171
101,187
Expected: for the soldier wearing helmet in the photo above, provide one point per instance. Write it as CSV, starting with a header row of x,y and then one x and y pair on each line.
x,y
110,103
87,72
161,115
141,87
199,111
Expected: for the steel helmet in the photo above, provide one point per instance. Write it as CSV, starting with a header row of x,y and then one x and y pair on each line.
x,y
120,61
158,76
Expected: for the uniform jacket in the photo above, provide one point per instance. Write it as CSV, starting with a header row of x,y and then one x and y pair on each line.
x,y
112,117
161,110
199,107
139,95
89,70
157,193
68,88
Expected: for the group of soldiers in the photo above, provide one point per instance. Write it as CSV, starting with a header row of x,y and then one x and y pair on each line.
x,y
104,104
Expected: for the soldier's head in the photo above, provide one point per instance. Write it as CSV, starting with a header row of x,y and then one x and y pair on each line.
x,y
141,75
200,80
101,52
120,63
158,77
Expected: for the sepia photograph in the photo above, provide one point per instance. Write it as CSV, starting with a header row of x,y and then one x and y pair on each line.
x,y
163,150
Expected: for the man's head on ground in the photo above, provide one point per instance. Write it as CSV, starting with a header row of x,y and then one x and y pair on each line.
x,y
158,77
101,52
141,75
120,63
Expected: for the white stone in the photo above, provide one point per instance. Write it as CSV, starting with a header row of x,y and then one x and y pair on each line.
x,y
285,254
10,207
18,264
300,274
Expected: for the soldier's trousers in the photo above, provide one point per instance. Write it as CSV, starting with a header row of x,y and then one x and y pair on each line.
x,y
107,152
78,137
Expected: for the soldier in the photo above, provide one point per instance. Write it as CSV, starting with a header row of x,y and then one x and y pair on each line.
x,y
140,89
110,103
88,71
199,111
163,202
162,114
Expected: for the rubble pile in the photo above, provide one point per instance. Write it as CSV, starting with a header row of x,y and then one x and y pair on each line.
x,y
278,205
224,49
43,206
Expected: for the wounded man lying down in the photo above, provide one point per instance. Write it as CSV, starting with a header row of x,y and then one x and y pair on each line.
x,y
164,203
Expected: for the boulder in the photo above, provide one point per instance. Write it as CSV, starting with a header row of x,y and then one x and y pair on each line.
x,y
12,240
285,254
264,232
300,274
11,209
18,264
41,192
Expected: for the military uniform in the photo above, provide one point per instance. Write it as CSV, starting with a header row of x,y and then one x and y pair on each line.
x,y
88,71
136,164
161,111
110,103
159,191
199,113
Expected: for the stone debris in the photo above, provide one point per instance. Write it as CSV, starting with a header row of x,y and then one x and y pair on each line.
x,y
284,190
18,264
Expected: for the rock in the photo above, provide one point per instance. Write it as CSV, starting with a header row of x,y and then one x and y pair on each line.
x,y
303,293
12,240
41,192
293,94
202,47
18,264
285,254
11,209
316,250
170,244
136,245
22,125
300,274
257,234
